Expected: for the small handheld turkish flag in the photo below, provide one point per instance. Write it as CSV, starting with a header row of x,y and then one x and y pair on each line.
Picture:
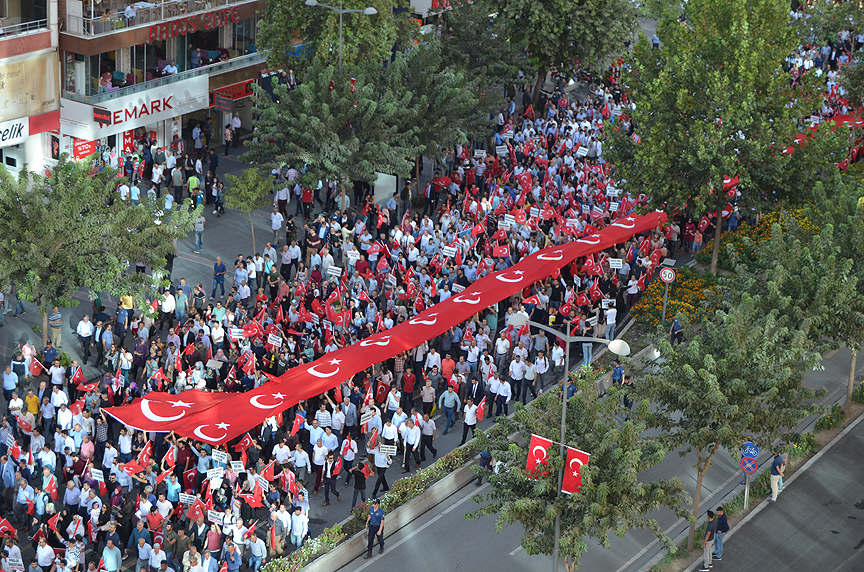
x,y
144,456
162,476
501,251
572,481
366,470
195,511
78,377
538,455
189,478
244,443
299,421
170,460
36,367
51,489
481,409
5,527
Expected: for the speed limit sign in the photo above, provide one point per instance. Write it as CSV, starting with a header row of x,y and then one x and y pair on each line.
x,y
667,275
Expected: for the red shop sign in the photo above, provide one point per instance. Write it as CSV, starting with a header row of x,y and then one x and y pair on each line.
x,y
82,148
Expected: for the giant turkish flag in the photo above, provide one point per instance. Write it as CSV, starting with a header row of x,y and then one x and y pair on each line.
x,y
216,418
538,456
572,481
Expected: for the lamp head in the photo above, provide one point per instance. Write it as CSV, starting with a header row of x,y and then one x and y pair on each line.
x,y
370,11
518,319
311,2
619,347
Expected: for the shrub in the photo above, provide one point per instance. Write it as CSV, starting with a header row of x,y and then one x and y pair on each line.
x,y
311,549
692,293
832,419
858,394
803,446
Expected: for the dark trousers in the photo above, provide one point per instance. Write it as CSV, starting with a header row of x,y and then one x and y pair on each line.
x,y
502,406
358,492
426,443
381,481
319,475
407,454
346,466
527,385
166,316
373,536
85,345
465,428
427,407
330,485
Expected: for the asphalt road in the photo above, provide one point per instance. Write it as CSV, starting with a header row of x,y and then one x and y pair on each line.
x,y
817,522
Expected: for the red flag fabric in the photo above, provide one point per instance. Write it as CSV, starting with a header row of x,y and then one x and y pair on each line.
x,y
337,466
77,407
533,300
52,522
36,367
538,456
366,470
31,506
51,489
299,421
640,283
162,476
481,408
144,456
269,472
78,378
189,478
501,251
572,481
703,224
131,468
88,386
195,511
170,460
6,526
244,443
15,449
216,418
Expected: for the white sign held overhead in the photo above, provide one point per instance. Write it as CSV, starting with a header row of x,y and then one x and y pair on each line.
x,y
616,262
220,456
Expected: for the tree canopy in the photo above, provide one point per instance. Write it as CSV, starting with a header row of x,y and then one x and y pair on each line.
x,y
738,379
69,231
612,499
714,102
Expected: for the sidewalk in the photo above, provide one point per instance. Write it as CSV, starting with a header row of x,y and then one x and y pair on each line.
x,y
817,522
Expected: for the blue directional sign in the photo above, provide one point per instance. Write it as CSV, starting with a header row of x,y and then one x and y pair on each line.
x,y
750,450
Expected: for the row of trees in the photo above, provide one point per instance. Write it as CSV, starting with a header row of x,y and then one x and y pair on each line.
x,y
68,232
712,103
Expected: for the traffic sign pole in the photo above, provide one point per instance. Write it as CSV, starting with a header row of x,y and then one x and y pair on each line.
x,y
746,491
665,298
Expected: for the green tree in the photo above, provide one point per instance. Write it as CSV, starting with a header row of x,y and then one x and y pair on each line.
x,y
69,231
558,32
334,130
365,39
612,498
739,380
713,102
481,48
248,192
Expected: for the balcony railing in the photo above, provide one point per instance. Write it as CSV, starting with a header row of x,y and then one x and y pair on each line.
x,y
219,67
146,14
22,28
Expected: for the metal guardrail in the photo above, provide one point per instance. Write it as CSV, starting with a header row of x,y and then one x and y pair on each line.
x,y
23,28
219,67
147,14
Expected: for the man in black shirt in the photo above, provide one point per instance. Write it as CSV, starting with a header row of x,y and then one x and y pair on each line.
x,y
708,543
722,529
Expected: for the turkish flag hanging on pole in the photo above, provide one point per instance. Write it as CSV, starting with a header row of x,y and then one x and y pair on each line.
x,y
299,421
538,454
573,470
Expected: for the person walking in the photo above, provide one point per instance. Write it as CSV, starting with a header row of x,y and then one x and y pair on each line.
x,y
375,528
708,543
449,400
330,479
55,320
382,461
470,420
722,529
427,437
200,222
84,331
778,466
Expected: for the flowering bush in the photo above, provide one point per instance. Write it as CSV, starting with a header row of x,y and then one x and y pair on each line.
x,y
691,293
831,420
803,447
858,394
311,549
745,249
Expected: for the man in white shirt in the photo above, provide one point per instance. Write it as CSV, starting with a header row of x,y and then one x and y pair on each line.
x,y
84,331
433,359
503,397
611,316
276,222
411,441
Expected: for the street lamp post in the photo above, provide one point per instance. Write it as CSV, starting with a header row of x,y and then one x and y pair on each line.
x,y
617,347
370,11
